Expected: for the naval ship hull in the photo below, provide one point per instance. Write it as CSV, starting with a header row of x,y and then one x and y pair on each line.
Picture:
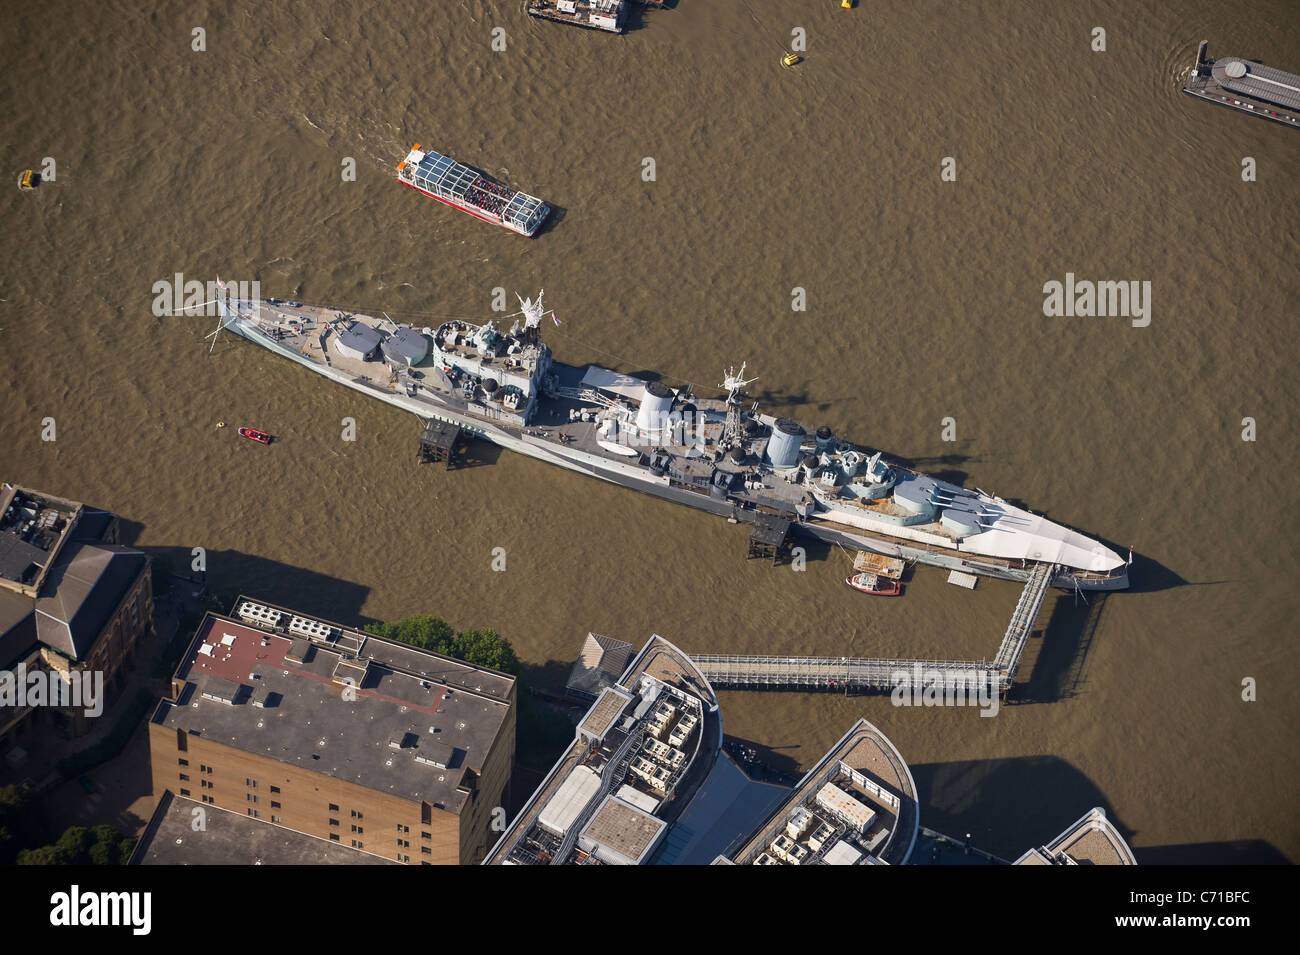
x,y
456,412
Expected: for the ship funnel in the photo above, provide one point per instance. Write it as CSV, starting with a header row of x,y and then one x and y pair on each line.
x,y
656,402
783,446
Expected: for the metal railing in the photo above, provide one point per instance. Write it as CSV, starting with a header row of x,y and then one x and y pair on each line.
x,y
860,673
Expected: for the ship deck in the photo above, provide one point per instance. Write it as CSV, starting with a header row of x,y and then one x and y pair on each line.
x,y
307,330
1261,90
580,17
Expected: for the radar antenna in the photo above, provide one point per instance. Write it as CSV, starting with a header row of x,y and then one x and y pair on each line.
x,y
533,315
733,381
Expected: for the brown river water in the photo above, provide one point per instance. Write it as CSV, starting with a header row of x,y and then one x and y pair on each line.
x,y
924,302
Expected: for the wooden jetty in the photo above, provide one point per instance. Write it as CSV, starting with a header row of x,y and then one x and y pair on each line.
x,y
878,564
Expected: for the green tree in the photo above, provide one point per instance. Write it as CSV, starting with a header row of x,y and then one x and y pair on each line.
x,y
423,630
45,855
21,822
74,845
78,845
104,846
103,853
486,648
220,601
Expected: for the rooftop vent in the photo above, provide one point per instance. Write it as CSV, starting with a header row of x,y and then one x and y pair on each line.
x,y
259,614
310,628
436,754
220,690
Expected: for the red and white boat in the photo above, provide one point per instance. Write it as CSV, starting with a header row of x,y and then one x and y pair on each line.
x,y
469,190
261,437
874,584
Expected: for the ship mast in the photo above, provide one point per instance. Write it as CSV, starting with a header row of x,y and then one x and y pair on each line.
x,y
733,381
533,314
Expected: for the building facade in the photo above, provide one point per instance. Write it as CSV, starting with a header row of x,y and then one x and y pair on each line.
x,y
338,734
72,602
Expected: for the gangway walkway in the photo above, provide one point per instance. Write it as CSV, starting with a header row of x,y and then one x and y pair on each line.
x,y
858,673
1022,621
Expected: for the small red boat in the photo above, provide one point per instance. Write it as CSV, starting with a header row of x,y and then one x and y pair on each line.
x,y
253,434
874,584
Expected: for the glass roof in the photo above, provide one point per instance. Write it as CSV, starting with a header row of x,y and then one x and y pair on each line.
x,y
447,178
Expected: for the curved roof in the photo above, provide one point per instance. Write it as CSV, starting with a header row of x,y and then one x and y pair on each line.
x,y
1258,81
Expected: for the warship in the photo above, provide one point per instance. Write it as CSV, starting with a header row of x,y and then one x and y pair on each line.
x,y
719,454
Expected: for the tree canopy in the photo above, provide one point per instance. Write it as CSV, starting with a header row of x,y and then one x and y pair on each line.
x,y
484,647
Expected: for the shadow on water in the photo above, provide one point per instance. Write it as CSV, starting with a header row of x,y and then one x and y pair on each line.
x,y
637,13
553,219
778,763
1149,576
1007,805
1059,669
230,573
1236,852
1011,805
474,454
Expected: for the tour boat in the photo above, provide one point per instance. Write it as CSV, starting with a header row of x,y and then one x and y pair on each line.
x,y
469,190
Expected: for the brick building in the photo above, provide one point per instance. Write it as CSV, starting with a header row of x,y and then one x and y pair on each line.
x,y
71,599
338,734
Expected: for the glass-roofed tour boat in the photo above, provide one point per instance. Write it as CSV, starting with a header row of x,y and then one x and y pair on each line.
x,y
471,191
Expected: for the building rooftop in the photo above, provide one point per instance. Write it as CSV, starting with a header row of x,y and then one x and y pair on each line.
x,y
33,527
860,795
232,839
604,713
354,706
1091,840
601,663
652,740
59,582
17,628
620,833
83,588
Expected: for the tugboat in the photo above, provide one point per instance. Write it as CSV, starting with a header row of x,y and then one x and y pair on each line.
x,y
874,584
261,437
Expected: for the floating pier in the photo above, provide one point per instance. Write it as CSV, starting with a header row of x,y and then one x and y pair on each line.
x,y
880,675
1246,86
880,565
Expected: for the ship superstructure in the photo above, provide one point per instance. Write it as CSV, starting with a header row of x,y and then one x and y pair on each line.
x,y
718,454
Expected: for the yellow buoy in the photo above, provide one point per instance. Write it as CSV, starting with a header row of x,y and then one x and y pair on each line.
x,y
790,59
847,4
26,181
221,424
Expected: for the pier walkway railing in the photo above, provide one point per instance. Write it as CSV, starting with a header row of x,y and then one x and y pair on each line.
x,y
1022,621
882,675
